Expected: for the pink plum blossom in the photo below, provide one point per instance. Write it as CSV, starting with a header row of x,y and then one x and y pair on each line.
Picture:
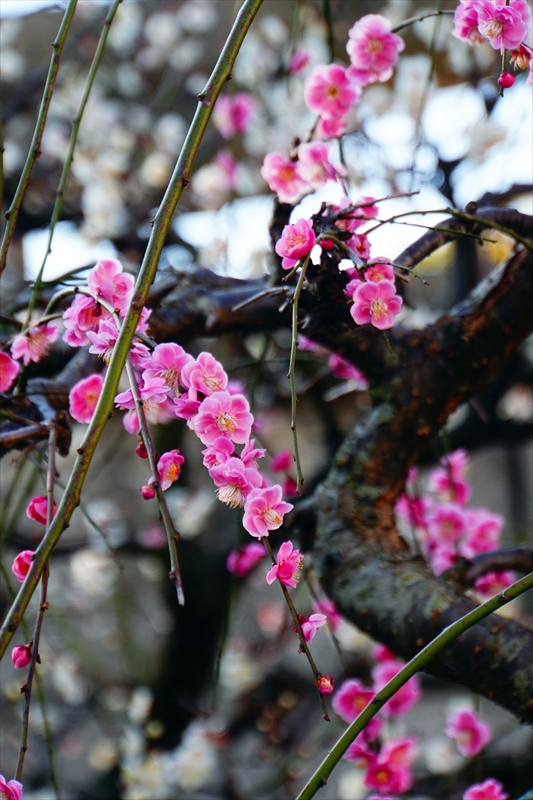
x,y
502,26
405,698
108,282
466,21
223,414
296,242
360,244
521,58
354,213
152,393
390,771
328,92
491,789
325,684
332,128
12,790
234,481
449,480
446,524
204,375
382,654
37,509
346,371
376,303
185,408
314,165
282,461
83,397
288,563
326,606
492,583
250,453
231,115
471,733
169,468
442,557
218,453
351,698
360,754
310,625
282,177
300,59
9,369
482,532
374,51
264,511
413,510
167,362
21,656
351,286
83,315
35,343
240,562
141,450
22,564
380,271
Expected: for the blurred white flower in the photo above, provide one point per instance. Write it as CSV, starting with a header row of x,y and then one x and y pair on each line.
x,y
239,672
126,27
194,764
95,573
196,18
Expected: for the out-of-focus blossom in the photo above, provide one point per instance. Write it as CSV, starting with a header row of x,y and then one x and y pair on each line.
x,y
376,303
282,177
380,271
346,371
390,771
326,606
310,625
374,51
231,115
506,80
83,397
470,733
325,684
314,165
282,461
405,698
491,789
83,315
449,480
235,481
141,450
486,586
12,790
240,562
218,453
466,21
147,492
482,532
521,57
9,369
360,754
299,60
264,511
108,281
501,25
331,128
167,362
203,375
446,524
21,656
351,698
22,564
35,343
382,654
223,414
169,468
37,509
328,91
296,242
288,563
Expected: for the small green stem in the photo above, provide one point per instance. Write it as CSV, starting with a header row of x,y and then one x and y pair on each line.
x,y
421,660
291,375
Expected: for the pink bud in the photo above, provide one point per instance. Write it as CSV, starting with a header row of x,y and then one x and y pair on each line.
x,y
21,655
148,492
37,509
325,684
21,564
506,80
141,450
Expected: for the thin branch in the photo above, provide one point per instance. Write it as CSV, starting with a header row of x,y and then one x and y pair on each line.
x,y
291,375
420,17
519,559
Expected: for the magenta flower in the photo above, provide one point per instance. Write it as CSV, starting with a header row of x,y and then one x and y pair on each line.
x,y
282,177
350,699
379,271
506,80
446,524
442,557
235,481
346,371
250,453
328,92
471,733
185,408
103,339
35,343
218,453
12,790
390,771
332,128
204,375
21,655
22,564
282,462
169,468
360,244
264,510
376,303
296,242
83,397
311,625
167,362
374,51
314,166
231,115
503,26
404,699
83,315
466,21
37,509
483,530
492,583
449,480
326,606
223,414
382,654
240,562
108,281
153,392
360,754
9,370
147,492
491,789
413,510
300,59
325,684
521,58
289,562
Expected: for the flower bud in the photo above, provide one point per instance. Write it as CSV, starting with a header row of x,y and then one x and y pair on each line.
x,y
141,450
148,492
37,509
21,655
325,684
506,80
21,564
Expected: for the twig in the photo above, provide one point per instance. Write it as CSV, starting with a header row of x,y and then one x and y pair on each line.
x,y
291,374
412,20
266,293
35,151
334,639
326,13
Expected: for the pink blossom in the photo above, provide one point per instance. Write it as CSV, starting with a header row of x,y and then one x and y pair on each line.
x,y
492,583
9,370
231,115
147,492
449,479
413,510
103,339
360,754
264,511
360,244
288,563
351,286
131,422
374,51
482,532
382,654
300,59
250,453
35,343
506,80
503,25
346,371
471,733
108,282
325,684
521,57
381,797
83,315
37,509
22,564
352,215
442,557
311,625
21,656
169,468
314,165
141,450
376,303
185,408
12,790
446,524
328,92
326,606
390,771
282,177
491,789
332,128
240,562
351,698
380,271
83,397
167,362
234,481
296,242
466,21
204,375
282,462
405,698
218,453
223,414
152,393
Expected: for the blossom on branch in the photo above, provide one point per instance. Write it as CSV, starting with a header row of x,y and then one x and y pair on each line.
x,y
264,511
231,115
235,481
12,790
351,698
376,303
296,242
240,562
374,51
491,789
503,26
223,414
288,563
109,282
21,565
470,733
21,655
37,509
314,165
83,397
9,369
329,92
35,343
169,468
282,177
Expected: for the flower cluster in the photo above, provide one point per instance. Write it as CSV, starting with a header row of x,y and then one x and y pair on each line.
x,y
310,169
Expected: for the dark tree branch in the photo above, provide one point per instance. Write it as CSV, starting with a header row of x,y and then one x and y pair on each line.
x,y
519,559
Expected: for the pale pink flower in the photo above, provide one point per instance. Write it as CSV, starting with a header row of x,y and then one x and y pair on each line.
x,y
296,242
282,177
288,563
360,754
390,771
328,92
83,397
446,525
283,461
471,733
502,26
442,557
234,481
108,282
483,530
223,414
374,51
21,656
492,583
204,375
314,165
22,564
326,606
103,341
12,790
311,625
360,244
405,698
185,408
250,453
380,271
449,479
300,59
153,392
351,698
376,303
351,286
231,115
240,562
413,510
35,343
167,362
325,684
346,371
332,128
491,789
264,510
9,370
169,468
83,315
218,453
37,509
466,21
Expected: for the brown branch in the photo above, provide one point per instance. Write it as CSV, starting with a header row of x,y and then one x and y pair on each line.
x,y
518,559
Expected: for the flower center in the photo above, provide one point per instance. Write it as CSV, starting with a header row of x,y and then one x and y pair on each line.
x,y
272,518
378,308
286,173
226,423
374,45
231,494
359,703
172,472
213,384
171,376
294,239
491,28
382,776
332,92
